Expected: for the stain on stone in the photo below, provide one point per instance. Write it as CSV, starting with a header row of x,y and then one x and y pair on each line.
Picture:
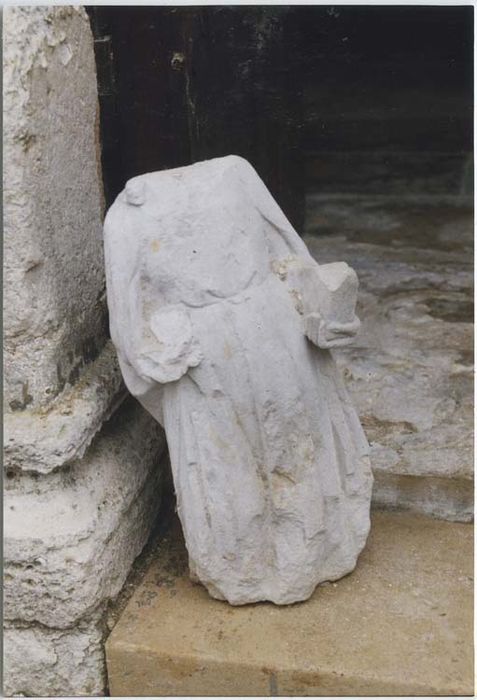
x,y
27,140
376,429
20,405
451,310
180,669
466,357
73,376
308,679
60,378
146,598
89,350
86,352
273,684
164,580
27,398
33,265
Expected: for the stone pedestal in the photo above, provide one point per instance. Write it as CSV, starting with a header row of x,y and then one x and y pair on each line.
x,y
83,483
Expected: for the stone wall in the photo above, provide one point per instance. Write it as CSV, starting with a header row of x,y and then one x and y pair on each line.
x,y
53,205
410,371
82,482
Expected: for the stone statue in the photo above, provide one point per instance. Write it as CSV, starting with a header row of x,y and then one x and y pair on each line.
x,y
223,322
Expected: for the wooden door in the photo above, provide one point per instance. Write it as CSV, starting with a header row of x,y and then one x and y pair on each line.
x,y
182,84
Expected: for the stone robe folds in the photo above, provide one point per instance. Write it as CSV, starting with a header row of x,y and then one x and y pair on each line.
x,y
222,323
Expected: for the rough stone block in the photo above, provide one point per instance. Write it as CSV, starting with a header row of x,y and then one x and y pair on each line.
x,y
43,440
39,661
410,371
71,536
55,312
80,499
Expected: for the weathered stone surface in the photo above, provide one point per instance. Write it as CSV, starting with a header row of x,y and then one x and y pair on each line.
x,y
410,371
80,499
70,537
39,661
400,624
54,305
43,440
213,299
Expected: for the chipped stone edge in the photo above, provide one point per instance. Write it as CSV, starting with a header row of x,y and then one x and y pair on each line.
x,y
42,440
440,497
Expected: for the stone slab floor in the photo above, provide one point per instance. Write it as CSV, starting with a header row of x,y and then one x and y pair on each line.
x,y
400,624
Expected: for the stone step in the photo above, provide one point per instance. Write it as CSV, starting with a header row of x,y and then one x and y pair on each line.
x,y
391,172
410,371
400,624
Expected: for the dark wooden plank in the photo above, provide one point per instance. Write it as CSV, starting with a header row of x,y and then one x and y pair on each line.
x,y
190,83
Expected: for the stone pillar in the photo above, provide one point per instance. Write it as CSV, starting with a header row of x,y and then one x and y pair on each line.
x,y
82,477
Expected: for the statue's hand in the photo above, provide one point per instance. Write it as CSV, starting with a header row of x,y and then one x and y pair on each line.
x,y
325,295
330,334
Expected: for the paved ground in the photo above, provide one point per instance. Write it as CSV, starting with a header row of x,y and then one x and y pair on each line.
x,y
400,624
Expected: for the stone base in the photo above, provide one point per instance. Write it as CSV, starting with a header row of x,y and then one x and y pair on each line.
x,y
70,540
401,624
71,537
52,662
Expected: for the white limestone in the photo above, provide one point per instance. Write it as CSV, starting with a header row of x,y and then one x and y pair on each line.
x,y
213,301
81,495
70,538
43,440
52,203
45,662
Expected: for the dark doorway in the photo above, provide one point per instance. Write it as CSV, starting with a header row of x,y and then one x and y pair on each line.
x,y
335,99
179,85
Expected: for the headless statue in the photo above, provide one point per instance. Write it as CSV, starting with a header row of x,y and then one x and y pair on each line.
x,y
222,323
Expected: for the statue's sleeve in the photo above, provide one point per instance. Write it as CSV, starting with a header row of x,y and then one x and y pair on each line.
x,y
325,295
154,340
